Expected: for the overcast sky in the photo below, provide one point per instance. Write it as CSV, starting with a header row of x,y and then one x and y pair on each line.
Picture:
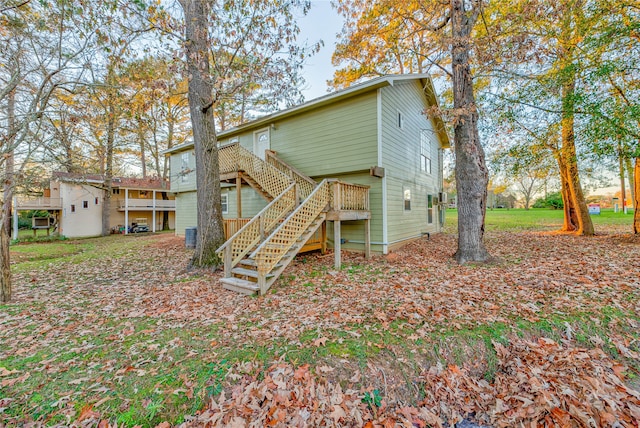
x,y
321,23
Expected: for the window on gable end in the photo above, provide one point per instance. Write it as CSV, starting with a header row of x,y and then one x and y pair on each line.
x,y
425,151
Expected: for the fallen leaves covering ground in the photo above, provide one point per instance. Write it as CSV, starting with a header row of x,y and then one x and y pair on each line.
x,y
539,384
95,331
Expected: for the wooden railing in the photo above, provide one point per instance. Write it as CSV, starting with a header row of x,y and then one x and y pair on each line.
x,y
228,158
38,203
233,225
272,250
305,183
257,228
347,196
135,203
234,157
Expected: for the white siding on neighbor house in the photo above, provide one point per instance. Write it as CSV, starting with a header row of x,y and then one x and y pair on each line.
x,y
186,211
84,221
401,160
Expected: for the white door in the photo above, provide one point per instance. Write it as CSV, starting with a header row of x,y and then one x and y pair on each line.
x,y
261,142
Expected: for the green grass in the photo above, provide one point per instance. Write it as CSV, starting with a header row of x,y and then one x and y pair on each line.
x,y
536,219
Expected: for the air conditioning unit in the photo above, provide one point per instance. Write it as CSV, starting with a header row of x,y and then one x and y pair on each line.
x,y
443,197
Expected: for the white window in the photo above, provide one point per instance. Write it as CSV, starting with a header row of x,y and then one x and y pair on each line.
x,y
430,209
85,204
407,199
425,151
184,168
400,120
224,202
73,208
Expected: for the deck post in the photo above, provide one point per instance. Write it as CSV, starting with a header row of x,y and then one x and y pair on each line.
x,y
336,244
323,238
228,259
126,211
154,212
239,196
367,239
262,284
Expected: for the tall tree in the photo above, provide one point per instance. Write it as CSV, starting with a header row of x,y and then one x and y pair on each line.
x,y
201,106
427,35
234,48
39,44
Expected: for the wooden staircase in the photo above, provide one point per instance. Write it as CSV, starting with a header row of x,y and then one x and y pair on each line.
x,y
257,254
284,187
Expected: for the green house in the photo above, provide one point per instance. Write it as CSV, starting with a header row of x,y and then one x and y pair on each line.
x,y
374,137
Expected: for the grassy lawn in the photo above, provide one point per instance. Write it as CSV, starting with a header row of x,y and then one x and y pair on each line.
x,y
538,219
119,329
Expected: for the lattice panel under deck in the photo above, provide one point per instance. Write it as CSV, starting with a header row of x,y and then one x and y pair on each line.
x,y
250,234
278,244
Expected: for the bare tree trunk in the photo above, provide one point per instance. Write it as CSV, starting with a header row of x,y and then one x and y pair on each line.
x,y
570,223
5,223
636,214
143,156
201,105
108,169
623,187
9,163
577,208
631,179
165,214
471,170
5,264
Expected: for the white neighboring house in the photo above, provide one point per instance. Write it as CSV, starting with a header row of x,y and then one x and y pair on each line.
x,y
75,202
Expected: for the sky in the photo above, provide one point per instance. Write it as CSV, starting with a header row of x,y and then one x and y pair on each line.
x,y
321,23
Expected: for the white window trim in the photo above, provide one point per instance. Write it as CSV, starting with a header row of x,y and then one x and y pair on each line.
x,y
255,141
224,197
406,191
184,166
427,156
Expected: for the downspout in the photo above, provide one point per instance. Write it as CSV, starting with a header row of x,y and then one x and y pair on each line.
x,y
385,247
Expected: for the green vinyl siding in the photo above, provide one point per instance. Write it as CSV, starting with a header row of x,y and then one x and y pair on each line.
x,y
401,159
252,202
331,140
186,211
183,171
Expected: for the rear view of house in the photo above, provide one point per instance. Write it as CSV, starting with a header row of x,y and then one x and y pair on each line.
x,y
374,136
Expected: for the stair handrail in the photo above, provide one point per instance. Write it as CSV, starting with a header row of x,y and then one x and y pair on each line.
x,y
266,258
306,184
228,157
262,224
270,178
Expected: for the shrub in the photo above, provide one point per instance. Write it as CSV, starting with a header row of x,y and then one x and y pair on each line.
x,y
552,201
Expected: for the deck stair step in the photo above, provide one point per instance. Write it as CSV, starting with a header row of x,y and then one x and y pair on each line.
x,y
240,285
247,272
